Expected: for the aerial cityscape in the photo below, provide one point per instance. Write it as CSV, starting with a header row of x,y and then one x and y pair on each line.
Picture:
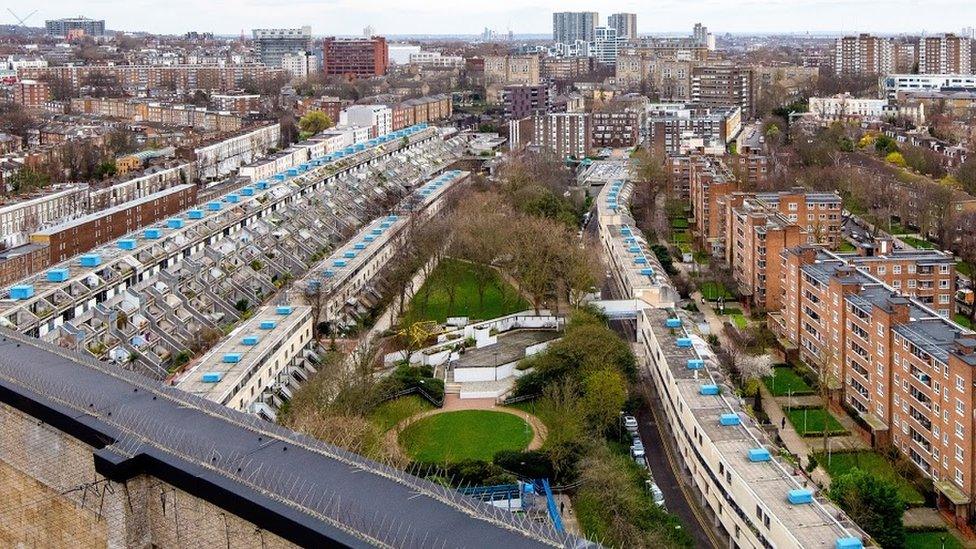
x,y
555,274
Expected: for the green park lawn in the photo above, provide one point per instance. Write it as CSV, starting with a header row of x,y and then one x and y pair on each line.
x,y
466,434
812,421
962,320
896,228
874,462
713,290
917,243
680,237
963,268
736,317
679,223
786,381
931,540
500,297
387,415
846,246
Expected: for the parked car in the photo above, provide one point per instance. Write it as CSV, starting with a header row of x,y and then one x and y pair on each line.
x,y
657,496
641,462
637,451
630,423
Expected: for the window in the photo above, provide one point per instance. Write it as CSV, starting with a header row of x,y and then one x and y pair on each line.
x,y
960,383
896,269
960,407
882,269
959,430
959,453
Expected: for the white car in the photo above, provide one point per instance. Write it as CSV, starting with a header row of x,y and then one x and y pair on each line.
x,y
657,496
630,423
637,452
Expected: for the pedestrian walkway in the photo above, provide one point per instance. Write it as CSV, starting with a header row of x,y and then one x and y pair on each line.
x,y
565,506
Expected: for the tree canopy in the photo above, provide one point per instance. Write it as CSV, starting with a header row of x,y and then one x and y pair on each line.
x,y
873,503
314,122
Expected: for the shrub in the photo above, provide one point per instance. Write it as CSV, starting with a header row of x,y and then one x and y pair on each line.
x,y
533,464
895,158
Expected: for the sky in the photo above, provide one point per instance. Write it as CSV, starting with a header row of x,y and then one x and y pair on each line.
x,y
349,17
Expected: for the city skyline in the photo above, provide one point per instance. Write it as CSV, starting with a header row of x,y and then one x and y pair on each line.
x,y
436,17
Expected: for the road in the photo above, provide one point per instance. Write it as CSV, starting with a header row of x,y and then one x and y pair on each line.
x,y
662,455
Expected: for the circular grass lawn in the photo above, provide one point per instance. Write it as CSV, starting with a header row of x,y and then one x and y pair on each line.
x,y
465,434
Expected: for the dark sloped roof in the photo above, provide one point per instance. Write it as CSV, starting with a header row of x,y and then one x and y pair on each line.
x,y
301,489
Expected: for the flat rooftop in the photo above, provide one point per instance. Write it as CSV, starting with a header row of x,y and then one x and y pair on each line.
x,y
510,348
288,483
813,525
250,356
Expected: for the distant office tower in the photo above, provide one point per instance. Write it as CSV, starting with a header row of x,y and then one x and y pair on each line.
x,y
570,26
355,56
625,24
61,27
272,45
700,34
864,55
944,54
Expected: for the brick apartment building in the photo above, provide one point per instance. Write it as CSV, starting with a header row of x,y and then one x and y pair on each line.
x,y
80,235
433,108
928,276
677,128
617,127
818,213
710,182
520,101
507,70
751,230
721,85
331,106
944,54
355,57
863,55
240,103
31,94
564,135
145,77
565,68
906,370
750,163
754,238
22,261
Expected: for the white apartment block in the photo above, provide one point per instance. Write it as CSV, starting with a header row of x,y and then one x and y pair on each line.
x,y
378,117
19,219
298,64
435,59
223,157
891,84
242,370
141,186
843,106
606,46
